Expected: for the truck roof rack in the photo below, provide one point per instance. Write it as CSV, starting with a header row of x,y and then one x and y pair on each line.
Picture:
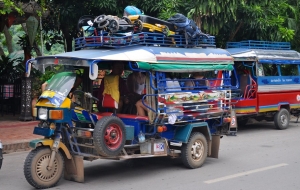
x,y
254,44
119,40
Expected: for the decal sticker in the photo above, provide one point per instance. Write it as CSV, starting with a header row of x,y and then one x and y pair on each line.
x,y
80,117
48,94
55,144
159,147
232,121
298,97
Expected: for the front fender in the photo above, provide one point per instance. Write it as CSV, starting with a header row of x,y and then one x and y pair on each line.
x,y
183,133
49,142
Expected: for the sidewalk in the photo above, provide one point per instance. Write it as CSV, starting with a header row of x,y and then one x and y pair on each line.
x,y
15,134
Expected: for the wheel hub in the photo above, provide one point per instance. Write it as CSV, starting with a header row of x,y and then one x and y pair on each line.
x,y
113,136
42,170
197,150
283,119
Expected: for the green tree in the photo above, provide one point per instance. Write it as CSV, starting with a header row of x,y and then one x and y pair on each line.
x,y
211,15
261,20
7,6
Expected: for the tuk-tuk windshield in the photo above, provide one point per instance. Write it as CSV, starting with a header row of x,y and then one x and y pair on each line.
x,y
62,83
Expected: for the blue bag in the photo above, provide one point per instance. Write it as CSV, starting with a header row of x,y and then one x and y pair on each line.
x,y
183,24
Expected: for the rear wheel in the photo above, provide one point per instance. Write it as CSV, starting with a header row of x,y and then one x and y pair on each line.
x,y
282,119
35,168
109,136
194,152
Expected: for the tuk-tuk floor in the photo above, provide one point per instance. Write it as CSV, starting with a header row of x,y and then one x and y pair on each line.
x,y
15,135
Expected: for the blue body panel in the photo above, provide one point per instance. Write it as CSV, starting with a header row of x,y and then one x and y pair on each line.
x,y
47,132
278,80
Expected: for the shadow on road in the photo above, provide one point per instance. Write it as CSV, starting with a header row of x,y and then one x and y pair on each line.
x,y
112,170
254,125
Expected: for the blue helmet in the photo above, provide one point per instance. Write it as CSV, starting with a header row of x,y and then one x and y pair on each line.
x,y
132,10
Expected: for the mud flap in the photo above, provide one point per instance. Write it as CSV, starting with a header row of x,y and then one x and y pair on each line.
x,y
74,169
233,123
215,145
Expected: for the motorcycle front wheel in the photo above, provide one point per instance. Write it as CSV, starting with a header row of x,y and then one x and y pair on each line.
x,y
36,169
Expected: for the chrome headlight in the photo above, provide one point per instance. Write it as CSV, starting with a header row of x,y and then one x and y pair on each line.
x,y
43,113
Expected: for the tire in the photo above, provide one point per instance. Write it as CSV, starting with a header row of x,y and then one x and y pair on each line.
x,y
126,19
189,157
113,26
109,136
282,119
100,19
138,26
35,168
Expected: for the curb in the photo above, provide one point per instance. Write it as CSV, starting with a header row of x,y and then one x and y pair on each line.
x,y
15,147
17,124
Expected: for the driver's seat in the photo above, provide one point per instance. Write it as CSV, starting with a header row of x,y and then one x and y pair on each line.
x,y
111,94
109,102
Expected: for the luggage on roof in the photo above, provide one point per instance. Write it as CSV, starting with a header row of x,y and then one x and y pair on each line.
x,y
185,25
152,24
132,10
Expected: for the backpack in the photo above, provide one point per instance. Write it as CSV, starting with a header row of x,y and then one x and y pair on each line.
x,y
185,25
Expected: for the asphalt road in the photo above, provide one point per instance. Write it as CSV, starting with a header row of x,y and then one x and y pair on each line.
x,y
259,157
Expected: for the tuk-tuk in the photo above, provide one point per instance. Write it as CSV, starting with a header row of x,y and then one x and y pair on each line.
x,y
179,122
268,80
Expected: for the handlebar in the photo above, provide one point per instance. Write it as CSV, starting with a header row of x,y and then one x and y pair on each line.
x,y
89,95
86,94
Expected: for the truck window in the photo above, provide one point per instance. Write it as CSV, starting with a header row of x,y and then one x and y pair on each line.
x,y
289,70
270,70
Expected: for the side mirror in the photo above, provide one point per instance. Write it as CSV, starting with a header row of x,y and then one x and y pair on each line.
x,y
93,74
28,68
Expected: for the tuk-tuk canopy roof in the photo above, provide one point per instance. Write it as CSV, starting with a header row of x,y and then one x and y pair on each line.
x,y
148,58
265,56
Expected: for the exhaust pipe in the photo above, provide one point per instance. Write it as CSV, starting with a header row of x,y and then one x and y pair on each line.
x,y
1,157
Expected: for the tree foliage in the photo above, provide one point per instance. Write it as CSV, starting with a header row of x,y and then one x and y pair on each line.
x,y
262,20
228,20
9,6
212,15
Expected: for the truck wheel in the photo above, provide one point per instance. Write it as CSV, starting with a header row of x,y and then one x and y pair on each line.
x,y
194,152
35,168
109,136
282,119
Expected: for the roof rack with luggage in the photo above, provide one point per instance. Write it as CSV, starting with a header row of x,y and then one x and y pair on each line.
x,y
114,32
120,40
